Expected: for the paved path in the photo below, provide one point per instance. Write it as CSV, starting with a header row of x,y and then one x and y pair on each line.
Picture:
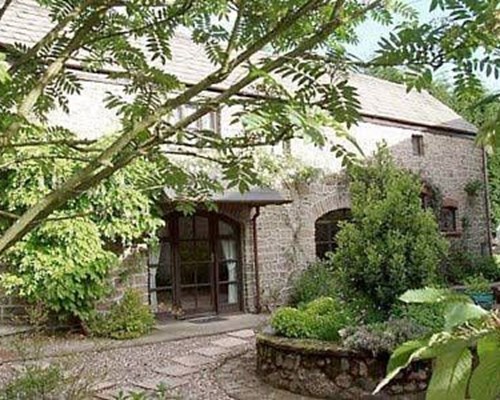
x,y
227,363
215,367
179,371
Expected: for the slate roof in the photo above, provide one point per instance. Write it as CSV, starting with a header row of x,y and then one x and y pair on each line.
x,y
26,22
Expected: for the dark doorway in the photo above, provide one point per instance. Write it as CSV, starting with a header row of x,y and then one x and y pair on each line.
x,y
198,268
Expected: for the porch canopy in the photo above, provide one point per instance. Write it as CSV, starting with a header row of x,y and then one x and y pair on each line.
x,y
254,197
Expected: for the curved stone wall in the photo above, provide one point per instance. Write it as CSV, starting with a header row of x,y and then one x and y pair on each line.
x,y
321,369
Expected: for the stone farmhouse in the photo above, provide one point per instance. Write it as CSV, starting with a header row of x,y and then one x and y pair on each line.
x,y
242,257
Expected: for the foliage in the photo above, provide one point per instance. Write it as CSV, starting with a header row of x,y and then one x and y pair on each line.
x,y
160,393
381,338
320,319
61,265
429,316
467,38
64,262
472,188
127,319
460,264
391,244
317,280
52,382
4,75
477,284
494,184
454,376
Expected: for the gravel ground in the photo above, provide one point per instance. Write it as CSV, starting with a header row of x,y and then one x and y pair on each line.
x,y
229,376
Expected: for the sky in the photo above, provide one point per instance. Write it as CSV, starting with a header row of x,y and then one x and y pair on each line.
x,y
370,33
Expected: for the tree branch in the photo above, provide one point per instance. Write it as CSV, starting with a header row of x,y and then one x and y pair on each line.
x,y
50,36
114,157
182,10
4,8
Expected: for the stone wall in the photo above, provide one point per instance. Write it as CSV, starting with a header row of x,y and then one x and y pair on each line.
x,y
321,369
131,273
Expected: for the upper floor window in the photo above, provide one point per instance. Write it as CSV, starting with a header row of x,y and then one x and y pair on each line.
x,y
209,122
326,228
417,143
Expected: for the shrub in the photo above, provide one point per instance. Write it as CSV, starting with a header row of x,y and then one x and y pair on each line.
x,y
430,316
290,322
61,266
477,284
127,319
461,265
381,338
317,280
321,319
391,244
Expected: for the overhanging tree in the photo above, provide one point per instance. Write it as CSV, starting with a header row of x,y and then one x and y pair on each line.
x,y
132,42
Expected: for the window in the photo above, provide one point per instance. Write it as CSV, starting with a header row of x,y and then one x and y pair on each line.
x,y
326,229
448,220
417,142
209,121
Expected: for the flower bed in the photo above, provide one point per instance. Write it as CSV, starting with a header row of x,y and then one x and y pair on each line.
x,y
322,369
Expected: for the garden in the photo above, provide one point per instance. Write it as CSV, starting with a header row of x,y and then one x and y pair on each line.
x,y
352,310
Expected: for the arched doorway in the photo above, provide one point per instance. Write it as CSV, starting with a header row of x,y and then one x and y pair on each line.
x,y
326,228
199,266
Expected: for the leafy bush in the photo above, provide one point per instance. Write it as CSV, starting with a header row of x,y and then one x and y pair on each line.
x,y
291,322
461,265
320,319
127,319
38,383
430,316
317,280
381,338
68,276
477,284
391,244
63,263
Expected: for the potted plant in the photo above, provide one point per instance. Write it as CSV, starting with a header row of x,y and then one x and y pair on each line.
x,y
479,289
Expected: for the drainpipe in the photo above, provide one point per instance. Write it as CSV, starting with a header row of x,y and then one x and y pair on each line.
x,y
487,201
256,259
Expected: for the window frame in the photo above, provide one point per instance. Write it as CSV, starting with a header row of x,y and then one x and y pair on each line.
x,y
328,219
417,143
454,226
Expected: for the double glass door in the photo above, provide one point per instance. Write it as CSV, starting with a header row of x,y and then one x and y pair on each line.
x,y
197,269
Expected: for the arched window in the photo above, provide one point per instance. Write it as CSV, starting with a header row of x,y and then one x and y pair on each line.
x,y
326,229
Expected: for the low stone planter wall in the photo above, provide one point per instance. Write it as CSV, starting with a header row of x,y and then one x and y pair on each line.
x,y
323,370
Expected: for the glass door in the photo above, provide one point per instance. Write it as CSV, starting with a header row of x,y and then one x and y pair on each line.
x,y
196,268
195,265
228,272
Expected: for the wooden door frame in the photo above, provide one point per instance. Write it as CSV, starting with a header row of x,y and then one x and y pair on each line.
x,y
172,221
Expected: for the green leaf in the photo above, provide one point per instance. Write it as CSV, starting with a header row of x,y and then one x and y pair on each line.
x,y
400,359
451,372
427,295
485,381
4,67
459,313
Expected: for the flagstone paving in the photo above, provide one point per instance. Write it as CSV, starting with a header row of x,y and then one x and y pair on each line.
x,y
218,367
176,370
213,351
229,342
243,334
